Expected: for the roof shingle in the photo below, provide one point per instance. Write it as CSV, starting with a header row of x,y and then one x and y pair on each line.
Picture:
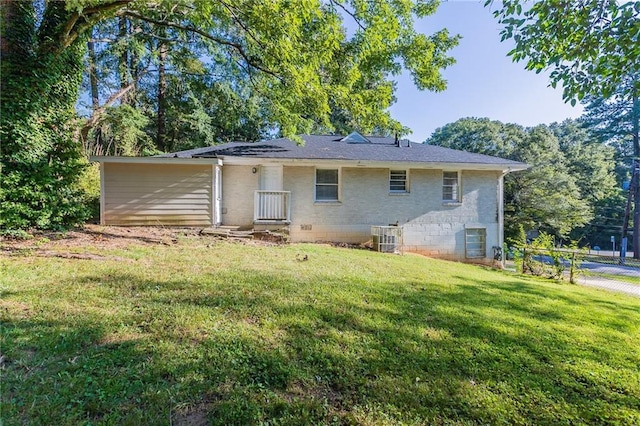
x,y
331,147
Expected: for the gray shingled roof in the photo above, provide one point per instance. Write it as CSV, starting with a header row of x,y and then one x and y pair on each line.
x,y
330,147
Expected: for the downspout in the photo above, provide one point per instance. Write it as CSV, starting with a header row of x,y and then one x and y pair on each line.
x,y
214,190
102,194
216,193
501,214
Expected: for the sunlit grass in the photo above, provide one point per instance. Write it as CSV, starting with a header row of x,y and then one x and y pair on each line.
x,y
226,333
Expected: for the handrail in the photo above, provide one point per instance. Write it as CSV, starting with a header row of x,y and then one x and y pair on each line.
x,y
272,206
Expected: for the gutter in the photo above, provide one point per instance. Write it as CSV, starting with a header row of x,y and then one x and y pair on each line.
x,y
154,160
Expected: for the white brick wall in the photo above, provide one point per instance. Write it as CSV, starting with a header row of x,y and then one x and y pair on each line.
x,y
430,227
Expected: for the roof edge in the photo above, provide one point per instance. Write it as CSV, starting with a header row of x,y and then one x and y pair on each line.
x,y
154,160
501,167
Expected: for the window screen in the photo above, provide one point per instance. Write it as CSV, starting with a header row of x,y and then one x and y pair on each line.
x,y
398,180
476,242
326,185
450,186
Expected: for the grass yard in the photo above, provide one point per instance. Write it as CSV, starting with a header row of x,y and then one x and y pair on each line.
x,y
198,331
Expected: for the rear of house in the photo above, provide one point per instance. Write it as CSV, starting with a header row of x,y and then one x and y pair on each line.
x,y
446,203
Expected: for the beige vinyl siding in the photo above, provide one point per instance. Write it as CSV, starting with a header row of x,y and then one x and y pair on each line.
x,y
157,194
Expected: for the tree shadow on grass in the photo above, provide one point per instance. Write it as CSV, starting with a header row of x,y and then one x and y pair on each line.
x,y
76,371
620,316
241,349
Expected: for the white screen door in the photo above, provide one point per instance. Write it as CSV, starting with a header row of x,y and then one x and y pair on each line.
x,y
271,178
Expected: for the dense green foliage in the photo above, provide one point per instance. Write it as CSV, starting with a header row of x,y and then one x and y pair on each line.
x,y
242,334
40,158
591,160
570,181
121,131
263,69
591,46
293,66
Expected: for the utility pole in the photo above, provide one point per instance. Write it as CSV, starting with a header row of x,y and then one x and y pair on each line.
x,y
636,207
633,198
635,170
635,174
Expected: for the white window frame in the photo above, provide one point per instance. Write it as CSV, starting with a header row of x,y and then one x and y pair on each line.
x,y
477,237
455,188
405,180
337,185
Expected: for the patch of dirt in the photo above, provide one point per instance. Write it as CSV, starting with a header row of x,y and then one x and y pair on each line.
x,y
81,243
17,310
367,245
196,415
106,237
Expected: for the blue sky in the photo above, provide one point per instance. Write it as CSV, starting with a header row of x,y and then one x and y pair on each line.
x,y
484,82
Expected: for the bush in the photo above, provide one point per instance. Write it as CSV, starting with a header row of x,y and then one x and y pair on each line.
x,y
89,185
543,258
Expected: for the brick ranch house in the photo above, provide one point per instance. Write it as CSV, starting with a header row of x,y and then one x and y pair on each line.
x,y
447,203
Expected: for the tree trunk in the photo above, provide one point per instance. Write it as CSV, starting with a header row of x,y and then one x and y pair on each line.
x,y
124,71
161,141
93,77
90,147
636,183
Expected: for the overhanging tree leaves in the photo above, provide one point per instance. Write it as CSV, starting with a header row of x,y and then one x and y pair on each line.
x,y
590,46
298,55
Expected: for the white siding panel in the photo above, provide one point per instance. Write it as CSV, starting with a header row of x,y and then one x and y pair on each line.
x,y
157,194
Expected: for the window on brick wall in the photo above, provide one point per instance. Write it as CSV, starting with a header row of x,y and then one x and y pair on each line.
x,y
451,187
475,242
398,181
327,184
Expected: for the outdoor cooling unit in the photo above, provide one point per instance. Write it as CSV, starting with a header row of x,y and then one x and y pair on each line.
x,y
387,239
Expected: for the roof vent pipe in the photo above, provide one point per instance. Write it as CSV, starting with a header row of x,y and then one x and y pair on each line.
x,y
397,141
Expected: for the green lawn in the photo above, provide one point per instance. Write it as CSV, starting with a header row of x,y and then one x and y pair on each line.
x,y
205,332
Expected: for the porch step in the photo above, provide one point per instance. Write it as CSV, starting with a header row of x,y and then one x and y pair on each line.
x,y
255,234
228,231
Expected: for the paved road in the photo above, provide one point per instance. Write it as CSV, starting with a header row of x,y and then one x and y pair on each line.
x,y
611,285
602,268
593,278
